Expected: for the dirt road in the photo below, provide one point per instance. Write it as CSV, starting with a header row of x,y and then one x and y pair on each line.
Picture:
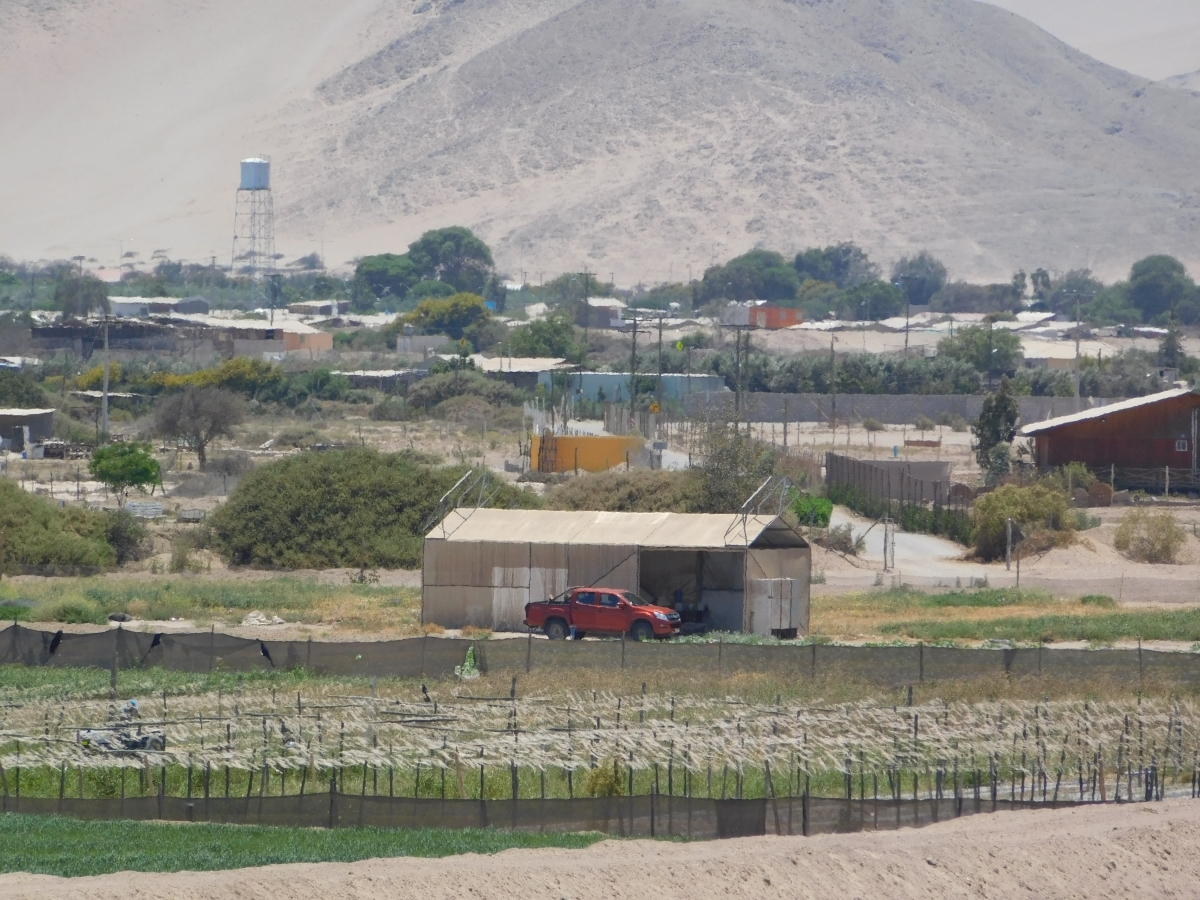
x,y
1145,850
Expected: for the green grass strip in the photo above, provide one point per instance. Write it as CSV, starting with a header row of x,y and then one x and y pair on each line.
x,y
1151,625
54,845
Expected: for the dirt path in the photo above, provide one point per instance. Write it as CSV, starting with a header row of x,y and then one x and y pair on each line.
x,y
1143,851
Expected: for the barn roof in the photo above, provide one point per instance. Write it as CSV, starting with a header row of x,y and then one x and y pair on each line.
x,y
1102,411
669,531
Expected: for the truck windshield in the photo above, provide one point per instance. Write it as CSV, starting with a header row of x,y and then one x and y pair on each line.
x,y
635,599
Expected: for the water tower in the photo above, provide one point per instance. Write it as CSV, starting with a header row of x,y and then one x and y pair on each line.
x,y
254,220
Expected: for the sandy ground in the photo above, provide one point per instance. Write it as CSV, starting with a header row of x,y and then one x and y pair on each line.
x,y
685,133
1140,851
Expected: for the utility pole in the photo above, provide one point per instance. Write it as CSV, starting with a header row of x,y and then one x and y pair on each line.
x,y
587,311
104,395
832,387
900,283
737,373
658,391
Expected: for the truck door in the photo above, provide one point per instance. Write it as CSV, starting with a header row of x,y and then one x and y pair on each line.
x,y
583,611
610,616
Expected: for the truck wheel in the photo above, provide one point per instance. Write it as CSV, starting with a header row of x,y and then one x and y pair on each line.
x,y
642,631
556,629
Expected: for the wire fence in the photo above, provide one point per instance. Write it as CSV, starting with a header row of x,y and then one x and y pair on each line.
x,y
120,650
633,765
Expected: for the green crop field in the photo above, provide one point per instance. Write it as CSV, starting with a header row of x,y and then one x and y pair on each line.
x,y
53,845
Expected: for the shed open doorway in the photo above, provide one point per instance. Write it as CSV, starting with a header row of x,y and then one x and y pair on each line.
x,y
706,587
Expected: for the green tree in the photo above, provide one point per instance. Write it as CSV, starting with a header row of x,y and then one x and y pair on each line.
x,y
124,466
76,297
382,276
552,336
19,392
920,277
757,275
989,349
453,255
1170,348
996,425
874,300
1158,286
451,315
844,264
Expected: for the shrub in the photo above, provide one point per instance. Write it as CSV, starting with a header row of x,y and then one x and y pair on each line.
x,y
393,409
604,781
841,539
1149,537
40,533
635,491
924,423
72,611
870,424
435,389
1101,600
343,508
1072,475
17,391
126,535
1037,508
812,510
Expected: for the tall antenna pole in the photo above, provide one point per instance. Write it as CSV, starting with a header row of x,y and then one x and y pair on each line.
x,y
104,394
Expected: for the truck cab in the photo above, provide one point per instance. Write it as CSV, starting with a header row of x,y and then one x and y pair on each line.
x,y
605,611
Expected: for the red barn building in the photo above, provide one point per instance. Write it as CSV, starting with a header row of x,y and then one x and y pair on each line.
x,y
1156,434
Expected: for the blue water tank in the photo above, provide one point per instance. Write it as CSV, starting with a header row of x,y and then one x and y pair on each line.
x,y
256,175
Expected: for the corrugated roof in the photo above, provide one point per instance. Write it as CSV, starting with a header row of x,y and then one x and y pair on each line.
x,y
1101,411
654,530
24,412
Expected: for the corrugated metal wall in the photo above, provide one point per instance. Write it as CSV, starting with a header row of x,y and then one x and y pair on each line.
x,y
487,584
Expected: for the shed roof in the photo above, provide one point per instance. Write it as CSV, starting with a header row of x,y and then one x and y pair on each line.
x,y
1101,411
24,413
669,531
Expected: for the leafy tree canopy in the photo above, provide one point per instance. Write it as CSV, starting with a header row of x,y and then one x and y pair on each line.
x,y
76,297
19,392
450,315
453,255
757,275
552,336
997,423
844,264
385,275
874,300
341,508
919,277
124,466
1160,286
989,350
961,296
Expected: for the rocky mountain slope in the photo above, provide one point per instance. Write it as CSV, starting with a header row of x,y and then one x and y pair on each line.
x,y
641,137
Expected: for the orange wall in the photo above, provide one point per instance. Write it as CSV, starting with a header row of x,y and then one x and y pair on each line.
x,y
596,453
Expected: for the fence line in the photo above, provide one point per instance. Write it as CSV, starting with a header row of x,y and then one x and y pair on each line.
x,y
438,657
652,815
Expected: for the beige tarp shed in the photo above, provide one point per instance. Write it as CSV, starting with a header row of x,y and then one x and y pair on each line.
x,y
732,572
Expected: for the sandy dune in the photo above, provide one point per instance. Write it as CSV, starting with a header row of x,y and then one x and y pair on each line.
x,y
641,138
1138,851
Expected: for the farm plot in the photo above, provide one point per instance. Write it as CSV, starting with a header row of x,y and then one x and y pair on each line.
x,y
458,743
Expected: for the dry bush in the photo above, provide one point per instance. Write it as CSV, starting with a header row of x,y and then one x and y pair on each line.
x,y
839,539
1153,537
640,490
1041,511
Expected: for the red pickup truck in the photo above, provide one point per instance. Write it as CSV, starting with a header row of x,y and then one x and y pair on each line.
x,y
601,611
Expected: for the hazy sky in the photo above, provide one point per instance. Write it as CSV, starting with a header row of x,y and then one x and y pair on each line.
x,y
1152,38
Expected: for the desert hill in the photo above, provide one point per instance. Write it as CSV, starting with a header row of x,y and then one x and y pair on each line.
x,y
641,137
